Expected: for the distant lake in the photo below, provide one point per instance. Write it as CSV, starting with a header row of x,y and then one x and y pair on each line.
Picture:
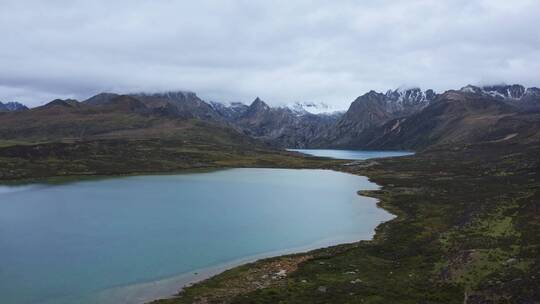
x,y
351,154
131,239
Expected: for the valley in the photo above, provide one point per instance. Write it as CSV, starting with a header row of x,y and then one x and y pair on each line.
x,y
466,202
269,152
178,130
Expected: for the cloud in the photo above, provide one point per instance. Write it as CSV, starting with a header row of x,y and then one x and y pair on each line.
x,y
283,51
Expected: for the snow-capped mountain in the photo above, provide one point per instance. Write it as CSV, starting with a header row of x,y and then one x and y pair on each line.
x,y
12,106
301,108
401,99
515,91
284,126
373,109
230,110
515,94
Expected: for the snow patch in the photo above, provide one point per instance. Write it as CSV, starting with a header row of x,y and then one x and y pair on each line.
x,y
302,108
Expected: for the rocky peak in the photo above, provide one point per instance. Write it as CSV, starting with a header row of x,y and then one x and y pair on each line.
x,y
532,93
455,95
259,104
316,108
365,111
401,99
471,89
370,95
503,91
12,106
514,91
257,107
516,94
395,102
180,95
372,110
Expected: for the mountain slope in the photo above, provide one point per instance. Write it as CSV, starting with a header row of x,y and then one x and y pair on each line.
x,y
402,118
282,126
70,119
516,94
230,112
371,110
115,116
455,117
180,104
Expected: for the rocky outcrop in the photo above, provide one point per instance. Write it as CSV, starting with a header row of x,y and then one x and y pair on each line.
x,y
12,107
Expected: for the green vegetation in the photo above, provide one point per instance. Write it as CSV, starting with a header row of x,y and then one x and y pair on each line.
x,y
467,226
467,231
135,156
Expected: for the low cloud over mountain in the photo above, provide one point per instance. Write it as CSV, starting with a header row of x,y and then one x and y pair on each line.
x,y
320,51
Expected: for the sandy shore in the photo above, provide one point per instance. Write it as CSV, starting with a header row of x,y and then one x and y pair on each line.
x,y
169,287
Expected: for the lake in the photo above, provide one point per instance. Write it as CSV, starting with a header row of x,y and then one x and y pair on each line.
x,y
132,239
351,154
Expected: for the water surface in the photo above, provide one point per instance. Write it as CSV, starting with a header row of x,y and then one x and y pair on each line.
x,y
351,154
76,242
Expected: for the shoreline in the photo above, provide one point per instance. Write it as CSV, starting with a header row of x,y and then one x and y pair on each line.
x,y
170,288
410,188
204,274
327,164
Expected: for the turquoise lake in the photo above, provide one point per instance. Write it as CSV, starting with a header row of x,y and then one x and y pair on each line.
x,y
131,239
351,154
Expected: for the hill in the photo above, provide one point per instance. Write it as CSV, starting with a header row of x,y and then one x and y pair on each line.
x,y
106,116
123,134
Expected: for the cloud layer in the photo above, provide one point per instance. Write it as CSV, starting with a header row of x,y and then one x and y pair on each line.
x,y
282,51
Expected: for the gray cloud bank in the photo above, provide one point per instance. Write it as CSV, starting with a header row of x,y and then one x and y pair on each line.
x,y
283,51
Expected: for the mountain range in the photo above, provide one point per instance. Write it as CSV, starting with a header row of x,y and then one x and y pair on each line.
x,y
397,119
12,106
415,119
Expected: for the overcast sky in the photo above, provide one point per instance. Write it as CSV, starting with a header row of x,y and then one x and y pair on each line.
x,y
282,51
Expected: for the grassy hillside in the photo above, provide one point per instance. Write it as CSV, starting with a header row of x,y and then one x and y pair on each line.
x,y
123,136
122,117
25,161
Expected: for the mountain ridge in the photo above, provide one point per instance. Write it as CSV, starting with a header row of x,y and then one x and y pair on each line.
x,y
409,118
12,106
